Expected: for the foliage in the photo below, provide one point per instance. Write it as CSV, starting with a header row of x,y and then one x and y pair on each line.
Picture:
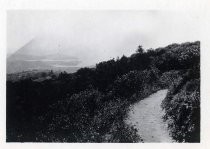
x,y
140,49
87,117
184,100
91,104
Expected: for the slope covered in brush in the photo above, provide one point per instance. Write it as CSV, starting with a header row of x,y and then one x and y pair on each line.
x,y
91,104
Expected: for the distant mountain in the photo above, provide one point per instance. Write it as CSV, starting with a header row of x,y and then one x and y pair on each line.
x,y
41,55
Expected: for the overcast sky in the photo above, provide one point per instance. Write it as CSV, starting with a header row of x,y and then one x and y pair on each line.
x,y
108,34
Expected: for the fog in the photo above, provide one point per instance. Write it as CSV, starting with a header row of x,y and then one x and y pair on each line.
x,y
100,35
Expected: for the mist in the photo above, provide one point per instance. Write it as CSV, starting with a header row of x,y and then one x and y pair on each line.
x,y
95,36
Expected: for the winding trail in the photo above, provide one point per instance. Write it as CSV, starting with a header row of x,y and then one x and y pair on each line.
x,y
146,116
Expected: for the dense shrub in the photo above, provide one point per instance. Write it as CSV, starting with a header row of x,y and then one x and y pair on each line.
x,y
91,104
170,78
184,100
134,82
87,117
178,57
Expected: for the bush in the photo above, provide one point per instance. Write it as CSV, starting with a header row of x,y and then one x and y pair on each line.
x,y
184,100
134,82
91,104
87,117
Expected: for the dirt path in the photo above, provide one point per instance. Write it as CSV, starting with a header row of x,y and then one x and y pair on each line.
x,y
146,116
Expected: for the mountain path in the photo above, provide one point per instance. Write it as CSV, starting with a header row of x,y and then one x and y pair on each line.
x,y
146,117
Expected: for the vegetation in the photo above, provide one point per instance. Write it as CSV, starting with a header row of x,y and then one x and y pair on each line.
x,y
91,104
184,99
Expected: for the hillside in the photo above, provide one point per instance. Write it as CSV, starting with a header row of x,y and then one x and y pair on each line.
x,y
42,54
92,104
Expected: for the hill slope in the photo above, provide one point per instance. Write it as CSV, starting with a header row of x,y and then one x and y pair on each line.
x,y
40,54
92,104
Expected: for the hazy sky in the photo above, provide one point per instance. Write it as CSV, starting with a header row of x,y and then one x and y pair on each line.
x,y
101,34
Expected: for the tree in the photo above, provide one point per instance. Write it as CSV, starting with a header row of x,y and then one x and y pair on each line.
x,y
140,49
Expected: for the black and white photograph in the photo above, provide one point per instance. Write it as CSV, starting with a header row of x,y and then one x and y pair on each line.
x,y
102,76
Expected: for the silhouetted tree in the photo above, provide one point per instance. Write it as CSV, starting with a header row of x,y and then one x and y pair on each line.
x,y
140,49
